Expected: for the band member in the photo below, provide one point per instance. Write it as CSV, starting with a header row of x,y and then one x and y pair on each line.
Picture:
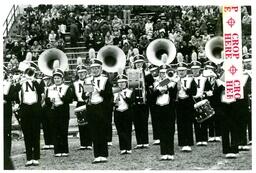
x,y
30,106
248,94
154,70
10,95
214,128
229,119
58,96
244,111
47,119
123,115
98,99
140,108
84,133
166,95
186,89
203,90
109,108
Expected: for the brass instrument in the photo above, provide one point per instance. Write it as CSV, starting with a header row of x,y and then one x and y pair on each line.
x,y
157,48
214,48
49,57
112,57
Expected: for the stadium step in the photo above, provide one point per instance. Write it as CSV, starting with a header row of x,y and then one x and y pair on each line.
x,y
75,49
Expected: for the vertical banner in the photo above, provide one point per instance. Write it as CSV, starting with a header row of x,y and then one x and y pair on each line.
x,y
233,64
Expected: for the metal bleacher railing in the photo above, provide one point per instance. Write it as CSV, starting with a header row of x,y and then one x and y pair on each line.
x,y
10,19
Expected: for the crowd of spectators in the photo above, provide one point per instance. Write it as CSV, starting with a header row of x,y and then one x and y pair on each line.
x,y
128,27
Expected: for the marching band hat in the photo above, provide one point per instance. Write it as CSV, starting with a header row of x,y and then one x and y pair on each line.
x,y
138,58
58,72
46,77
96,63
122,78
81,68
210,64
195,65
182,66
247,57
152,67
163,68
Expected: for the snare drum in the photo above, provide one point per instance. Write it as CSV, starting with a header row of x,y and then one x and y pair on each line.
x,y
81,115
203,110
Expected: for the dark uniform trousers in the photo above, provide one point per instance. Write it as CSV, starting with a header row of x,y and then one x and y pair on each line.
x,y
200,128
47,125
123,122
167,123
140,119
185,119
243,114
30,121
84,130
214,128
98,124
229,124
109,114
154,121
60,131
7,135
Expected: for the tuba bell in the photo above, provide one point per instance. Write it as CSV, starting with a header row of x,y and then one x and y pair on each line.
x,y
48,58
213,50
157,48
112,57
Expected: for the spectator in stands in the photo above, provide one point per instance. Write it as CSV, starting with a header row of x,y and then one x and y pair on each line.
x,y
14,61
60,44
36,49
201,55
99,40
130,35
246,23
126,47
9,44
52,37
116,22
143,44
109,38
116,34
86,17
90,40
149,27
206,37
16,49
74,34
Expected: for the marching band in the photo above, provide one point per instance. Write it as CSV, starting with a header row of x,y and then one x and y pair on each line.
x,y
168,92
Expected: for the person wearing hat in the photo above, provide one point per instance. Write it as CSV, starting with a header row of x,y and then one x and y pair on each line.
x,y
98,103
30,106
140,106
214,129
203,90
229,119
248,74
123,115
78,89
9,96
154,70
245,106
186,89
165,98
47,119
58,97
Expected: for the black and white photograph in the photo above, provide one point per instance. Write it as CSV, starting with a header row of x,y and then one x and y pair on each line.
x,y
111,86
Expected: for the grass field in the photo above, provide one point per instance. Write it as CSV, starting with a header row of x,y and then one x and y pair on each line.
x,y
201,158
